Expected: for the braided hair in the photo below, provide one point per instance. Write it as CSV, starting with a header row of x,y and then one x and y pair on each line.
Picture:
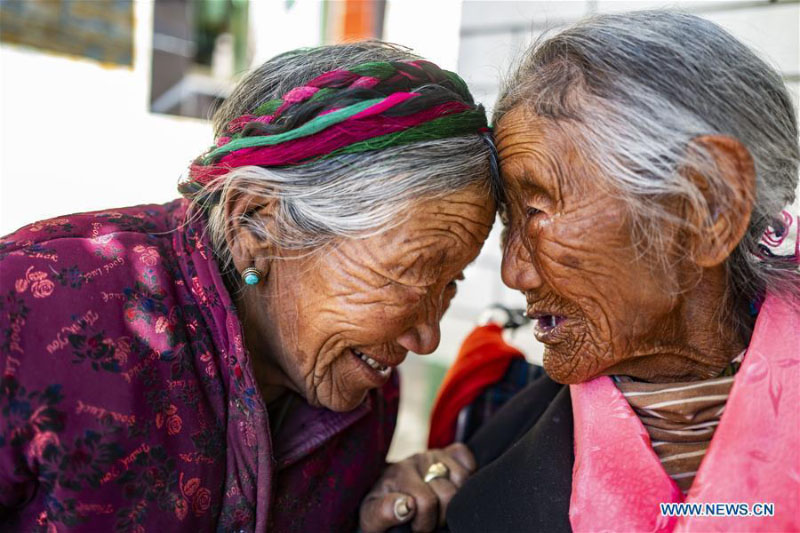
x,y
367,107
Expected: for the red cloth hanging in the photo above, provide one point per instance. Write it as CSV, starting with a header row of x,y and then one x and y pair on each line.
x,y
482,361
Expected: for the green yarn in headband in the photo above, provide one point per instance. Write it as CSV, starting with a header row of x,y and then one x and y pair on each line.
x,y
372,106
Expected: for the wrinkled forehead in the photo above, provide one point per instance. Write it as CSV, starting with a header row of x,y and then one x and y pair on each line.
x,y
464,215
449,230
537,150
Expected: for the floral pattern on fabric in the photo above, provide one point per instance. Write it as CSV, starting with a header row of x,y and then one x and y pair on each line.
x,y
128,402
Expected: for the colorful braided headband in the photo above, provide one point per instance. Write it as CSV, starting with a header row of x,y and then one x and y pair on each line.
x,y
369,107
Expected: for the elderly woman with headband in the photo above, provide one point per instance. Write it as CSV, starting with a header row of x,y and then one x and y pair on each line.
x,y
226,361
649,163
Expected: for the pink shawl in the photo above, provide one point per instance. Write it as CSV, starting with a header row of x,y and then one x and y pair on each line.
x,y
754,457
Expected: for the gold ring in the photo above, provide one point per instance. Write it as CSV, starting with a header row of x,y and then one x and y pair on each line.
x,y
435,471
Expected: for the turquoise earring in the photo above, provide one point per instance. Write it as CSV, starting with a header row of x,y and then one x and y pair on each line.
x,y
251,275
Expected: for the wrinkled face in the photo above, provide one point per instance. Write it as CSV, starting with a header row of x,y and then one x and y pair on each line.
x,y
598,304
348,316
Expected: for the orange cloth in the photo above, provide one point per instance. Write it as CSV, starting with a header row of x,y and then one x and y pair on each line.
x,y
482,361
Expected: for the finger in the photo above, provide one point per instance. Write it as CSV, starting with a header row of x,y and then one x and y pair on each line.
x,y
444,489
462,454
379,513
427,506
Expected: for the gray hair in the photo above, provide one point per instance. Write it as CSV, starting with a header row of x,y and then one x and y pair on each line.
x,y
347,196
639,87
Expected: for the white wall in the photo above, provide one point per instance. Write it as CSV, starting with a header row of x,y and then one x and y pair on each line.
x,y
429,27
278,27
493,33
76,135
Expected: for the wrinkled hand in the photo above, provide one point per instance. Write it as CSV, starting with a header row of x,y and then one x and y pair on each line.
x,y
425,503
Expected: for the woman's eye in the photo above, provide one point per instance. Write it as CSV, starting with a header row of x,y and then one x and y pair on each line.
x,y
532,212
536,204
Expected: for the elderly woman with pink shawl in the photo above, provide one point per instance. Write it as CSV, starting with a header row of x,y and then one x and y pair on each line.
x,y
647,160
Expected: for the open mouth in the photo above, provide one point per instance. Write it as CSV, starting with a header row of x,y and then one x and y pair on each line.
x,y
545,326
382,370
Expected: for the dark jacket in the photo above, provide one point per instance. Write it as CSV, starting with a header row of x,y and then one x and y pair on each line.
x,y
525,457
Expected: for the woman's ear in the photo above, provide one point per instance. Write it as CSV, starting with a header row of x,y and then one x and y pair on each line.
x,y
723,224
247,215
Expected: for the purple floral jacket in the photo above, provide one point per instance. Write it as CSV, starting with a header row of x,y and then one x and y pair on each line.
x,y
128,402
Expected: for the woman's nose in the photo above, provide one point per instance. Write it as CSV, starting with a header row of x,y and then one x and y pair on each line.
x,y
518,270
423,338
